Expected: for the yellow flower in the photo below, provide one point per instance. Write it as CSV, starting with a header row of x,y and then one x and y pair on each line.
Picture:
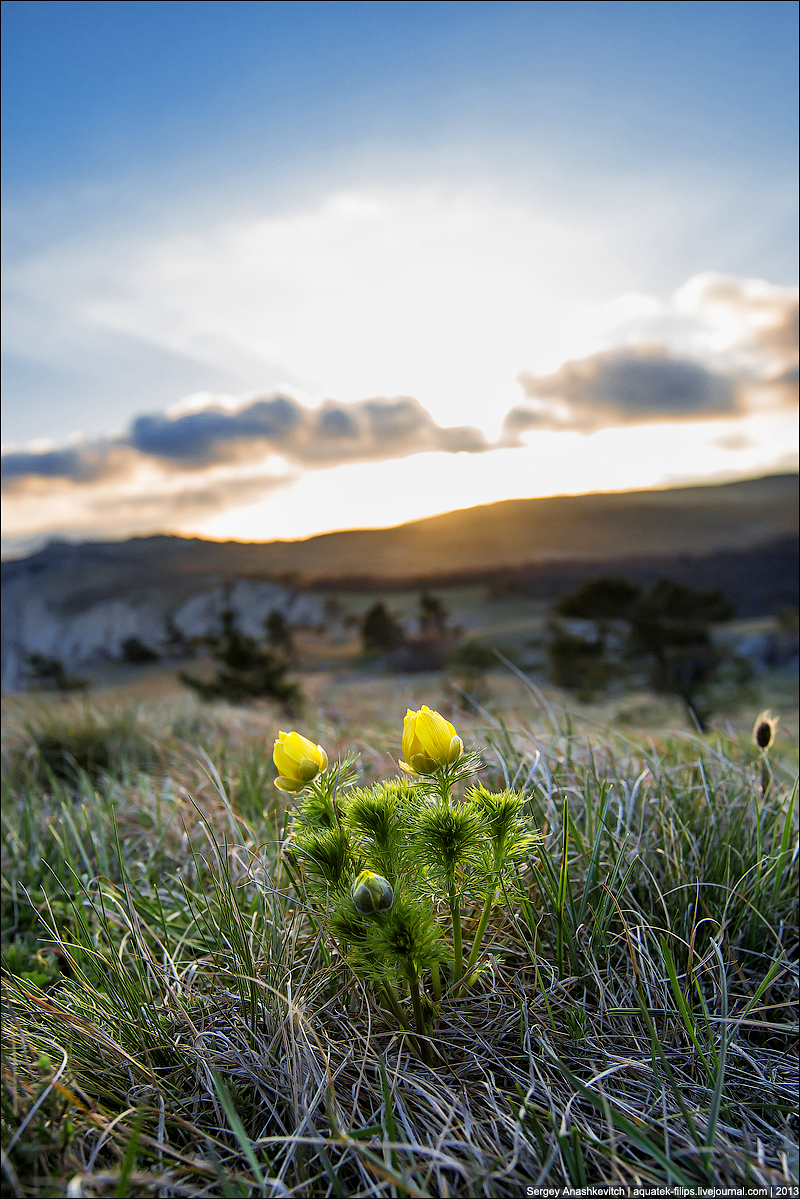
x,y
372,893
428,741
764,729
298,761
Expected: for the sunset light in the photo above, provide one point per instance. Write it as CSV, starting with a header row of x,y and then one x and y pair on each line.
x,y
478,307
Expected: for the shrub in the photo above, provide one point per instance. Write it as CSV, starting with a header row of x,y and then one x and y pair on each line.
x,y
380,631
433,616
247,672
50,674
279,634
579,663
80,739
670,625
468,665
389,868
136,652
667,627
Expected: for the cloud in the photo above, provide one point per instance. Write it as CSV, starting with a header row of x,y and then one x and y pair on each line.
x,y
190,441
207,456
202,437
765,318
721,347
149,500
424,291
621,386
721,353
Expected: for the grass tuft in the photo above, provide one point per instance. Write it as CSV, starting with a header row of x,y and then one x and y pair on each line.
x,y
177,1022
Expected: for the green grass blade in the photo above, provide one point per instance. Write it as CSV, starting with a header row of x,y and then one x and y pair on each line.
x,y
129,1160
783,852
716,1100
592,871
686,1016
237,1128
625,1125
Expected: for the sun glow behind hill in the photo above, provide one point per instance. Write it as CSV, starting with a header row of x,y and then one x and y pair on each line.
x,y
382,494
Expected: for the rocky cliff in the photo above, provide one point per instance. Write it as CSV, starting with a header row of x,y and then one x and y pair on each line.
x,y
38,620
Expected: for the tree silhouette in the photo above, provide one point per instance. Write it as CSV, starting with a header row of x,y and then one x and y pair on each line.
x,y
247,671
279,634
604,599
136,652
50,674
380,631
668,626
433,616
580,664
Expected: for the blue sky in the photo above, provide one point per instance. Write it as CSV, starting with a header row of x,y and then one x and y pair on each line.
x,y
93,90
209,203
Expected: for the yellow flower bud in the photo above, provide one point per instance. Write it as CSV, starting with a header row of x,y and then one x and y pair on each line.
x,y
428,741
372,893
764,729
298,761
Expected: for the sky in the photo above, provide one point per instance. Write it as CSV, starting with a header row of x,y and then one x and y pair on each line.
x,y
272,269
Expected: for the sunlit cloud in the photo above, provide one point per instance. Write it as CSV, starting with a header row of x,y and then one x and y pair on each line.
x,y
730,346
443,295
621,386
719,356
180,468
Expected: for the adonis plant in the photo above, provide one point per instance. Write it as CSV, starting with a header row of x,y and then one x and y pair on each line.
x,y
392,869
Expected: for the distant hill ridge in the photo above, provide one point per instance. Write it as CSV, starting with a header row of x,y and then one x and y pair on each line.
x,y
80,603
694,521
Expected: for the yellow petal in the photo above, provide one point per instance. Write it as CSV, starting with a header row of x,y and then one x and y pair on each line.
x,y
435,734
292,750
409,734
282,760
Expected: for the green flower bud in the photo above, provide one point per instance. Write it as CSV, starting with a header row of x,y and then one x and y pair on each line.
x,y
372,893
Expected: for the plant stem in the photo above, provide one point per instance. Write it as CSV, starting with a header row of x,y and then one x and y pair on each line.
x,y
455,914
481,929
391,997
416,1003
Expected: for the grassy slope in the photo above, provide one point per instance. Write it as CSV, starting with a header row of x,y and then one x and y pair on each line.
x,y
633,1022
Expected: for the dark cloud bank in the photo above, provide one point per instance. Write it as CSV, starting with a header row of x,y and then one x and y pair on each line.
x,y
625,385
335,433
641,382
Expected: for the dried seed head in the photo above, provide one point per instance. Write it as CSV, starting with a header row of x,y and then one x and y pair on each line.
x,y
764,729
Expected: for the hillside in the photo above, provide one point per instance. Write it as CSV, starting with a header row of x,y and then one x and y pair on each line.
x,y
80,603
693,521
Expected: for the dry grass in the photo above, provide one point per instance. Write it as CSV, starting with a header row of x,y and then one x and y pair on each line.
x,y
196,1033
